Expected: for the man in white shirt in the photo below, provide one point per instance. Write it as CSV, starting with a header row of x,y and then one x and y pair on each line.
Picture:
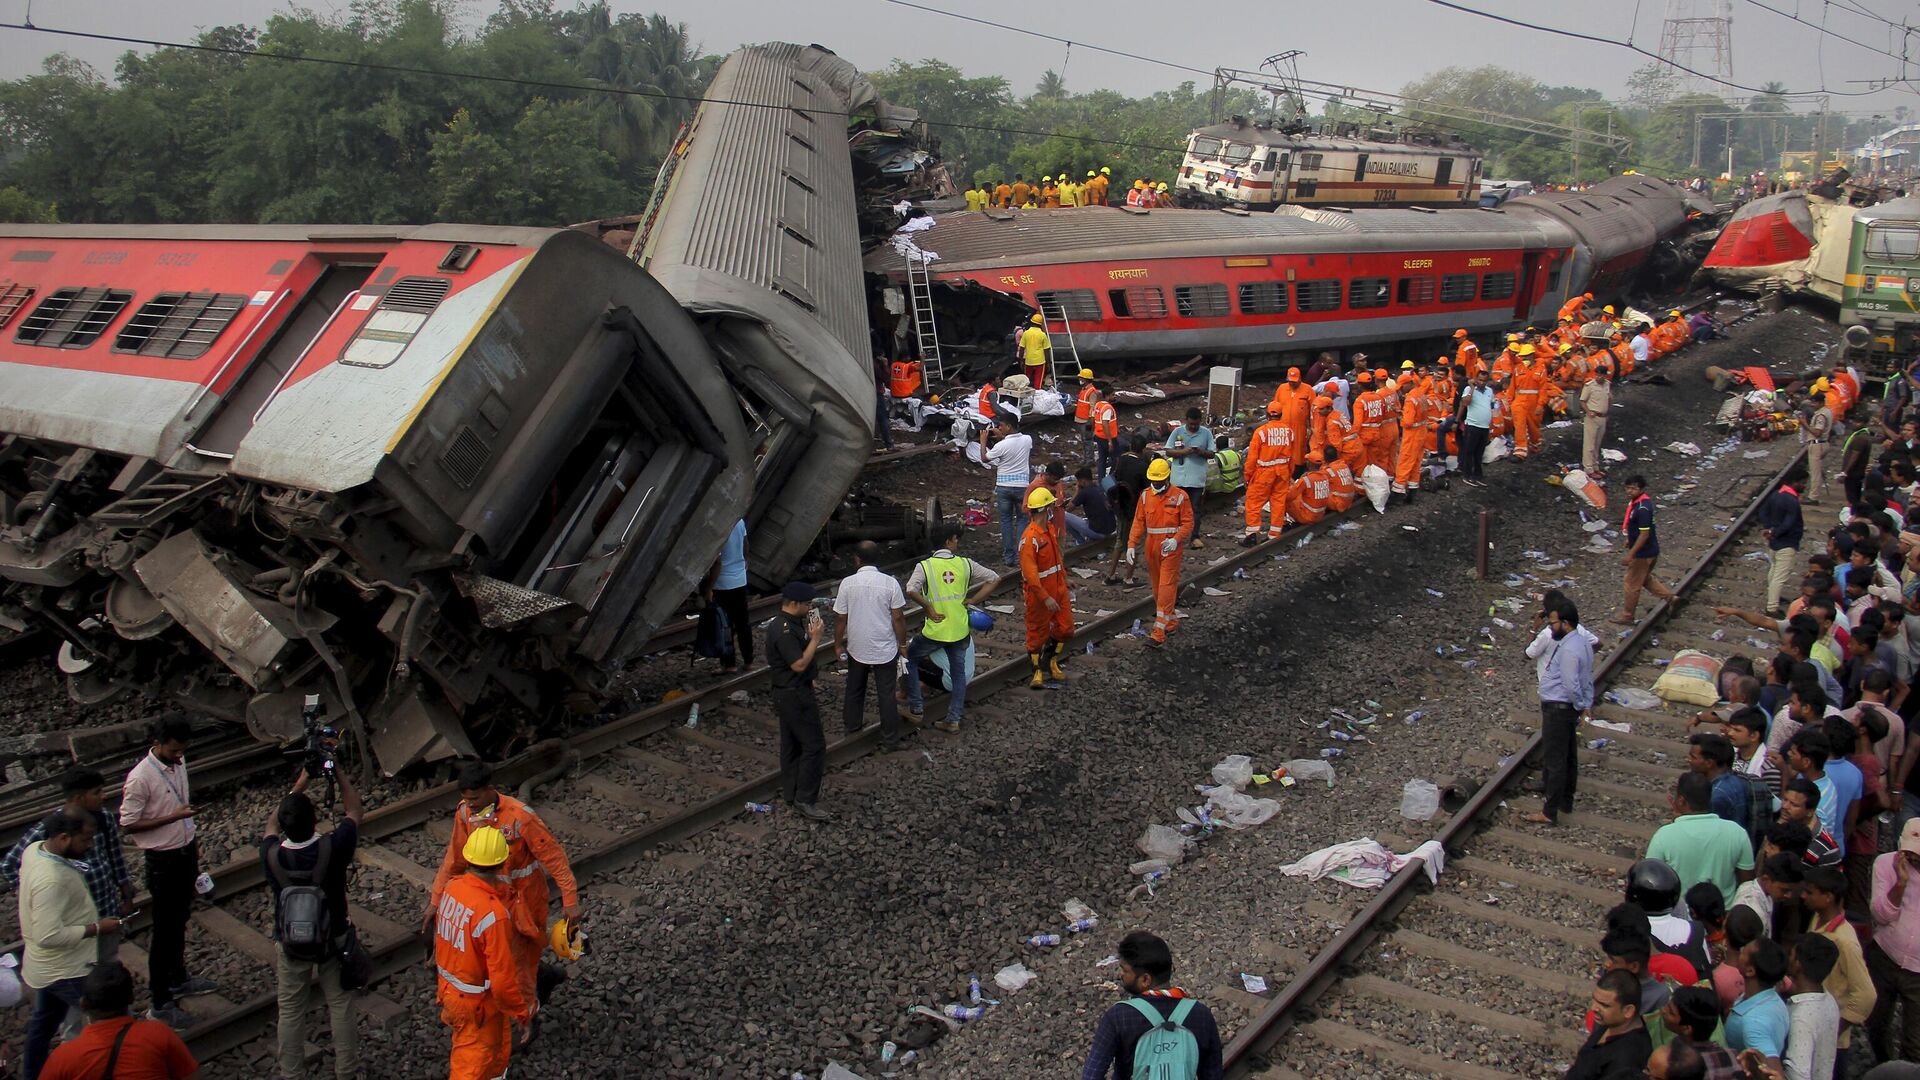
x,y
156,813
1642,346
1010,456
1813,1016
868,633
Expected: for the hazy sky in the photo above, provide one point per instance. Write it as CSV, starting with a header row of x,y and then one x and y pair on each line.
x,y
1377,46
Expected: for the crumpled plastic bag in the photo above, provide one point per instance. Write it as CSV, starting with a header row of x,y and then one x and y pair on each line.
x,y
1235,771
1304,769
1163,843
1013,977
1632,697
1378,485
1236,810
1496,449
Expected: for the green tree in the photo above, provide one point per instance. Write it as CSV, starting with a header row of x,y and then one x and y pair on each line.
x,y
18,206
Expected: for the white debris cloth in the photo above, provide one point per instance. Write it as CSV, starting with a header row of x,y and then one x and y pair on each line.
x,y
1366,863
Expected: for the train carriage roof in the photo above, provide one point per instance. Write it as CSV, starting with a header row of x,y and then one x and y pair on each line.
x,y
1901,210
1307,140
972,240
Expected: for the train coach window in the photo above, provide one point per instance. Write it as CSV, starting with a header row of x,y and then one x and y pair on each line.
x,y
1498,286
1416,290
1369,292
1139,302
13,297
1263,297
1896,243
1073,305
1309,162
1201,301
1236,153
1206,146
72,318
1317,295
178,326
1458,288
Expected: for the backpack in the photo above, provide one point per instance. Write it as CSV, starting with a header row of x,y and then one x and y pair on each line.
x,y
713,637
1168,1051
304,924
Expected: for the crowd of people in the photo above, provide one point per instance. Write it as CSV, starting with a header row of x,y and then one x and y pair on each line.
x,y
1061,190
487,913
1767,930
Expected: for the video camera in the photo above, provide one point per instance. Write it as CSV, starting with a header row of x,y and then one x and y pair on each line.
x,y
321,739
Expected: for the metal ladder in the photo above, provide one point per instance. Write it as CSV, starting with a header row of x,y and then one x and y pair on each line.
x,y
926,333
1066,361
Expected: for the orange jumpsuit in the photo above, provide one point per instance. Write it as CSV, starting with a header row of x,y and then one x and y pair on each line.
x,y
1341,488
1570,311
1622,359
1317,435
1343,435
1049,197
1468,356
1002,196
1392,400
1042,575
1527,384
1021,189
1415,428
1308,498
1269,465
1296,401
1376,442
478,986
532,856
1159,517
1504,364
1844,382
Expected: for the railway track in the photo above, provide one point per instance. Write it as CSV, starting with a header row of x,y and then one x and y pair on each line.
x,y
1510,893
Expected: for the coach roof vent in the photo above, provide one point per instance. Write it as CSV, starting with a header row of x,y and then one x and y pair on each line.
x,y
457,258
420,294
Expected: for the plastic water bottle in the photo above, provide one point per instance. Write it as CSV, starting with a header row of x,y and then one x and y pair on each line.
x,y
1415,716
1042,941
693,716
909,1058
1332,752
887,1050
203,884
973,989
1137,630
964,1012
1599,744
760,807
1341,735
1077,925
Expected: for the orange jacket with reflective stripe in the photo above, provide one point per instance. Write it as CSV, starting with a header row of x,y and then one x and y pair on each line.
x,y
1371,407
1271,447
471,947
1106,421
984,403
1158,516
1527,384
533,855
1041,569
1340,483
1083,405
1468,356
1311,492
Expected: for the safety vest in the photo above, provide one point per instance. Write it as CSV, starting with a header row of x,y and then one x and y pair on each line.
x,y
984,403
1106,421
904,378
1229,475
1083,405
947,594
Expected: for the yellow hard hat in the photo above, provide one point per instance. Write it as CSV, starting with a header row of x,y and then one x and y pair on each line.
x,y
1036,320
1608,310
1565,348
1161,186
1086,373
1674,314
1138,184
1523,350
1406,365
933,399
567,941
1159,469
486,846
1089,174
1047,179
1042,497
1105,171
1821,385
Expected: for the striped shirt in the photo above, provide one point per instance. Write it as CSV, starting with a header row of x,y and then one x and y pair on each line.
x,y
105,867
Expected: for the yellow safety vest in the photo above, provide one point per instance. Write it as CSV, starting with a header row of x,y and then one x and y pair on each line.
x,y
947,594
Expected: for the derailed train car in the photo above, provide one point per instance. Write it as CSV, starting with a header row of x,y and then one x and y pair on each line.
x,y
436,476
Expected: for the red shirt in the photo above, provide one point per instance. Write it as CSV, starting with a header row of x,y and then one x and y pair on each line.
x,y
151,1052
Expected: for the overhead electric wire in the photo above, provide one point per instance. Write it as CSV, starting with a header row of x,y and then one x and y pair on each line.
x,y
1821,27
547,84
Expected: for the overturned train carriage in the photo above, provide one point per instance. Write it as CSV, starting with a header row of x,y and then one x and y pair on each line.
x,y
410,470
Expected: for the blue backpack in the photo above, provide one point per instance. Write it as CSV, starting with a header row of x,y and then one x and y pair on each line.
x,y
1168,1051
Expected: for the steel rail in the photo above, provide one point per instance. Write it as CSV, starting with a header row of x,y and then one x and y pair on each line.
x,y
1247,1052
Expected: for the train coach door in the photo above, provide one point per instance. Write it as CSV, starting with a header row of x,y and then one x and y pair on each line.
x,y
233,417
1443,173
1524,297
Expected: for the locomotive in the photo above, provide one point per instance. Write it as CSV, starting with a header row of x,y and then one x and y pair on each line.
x,y
444,477
1178,282
1260,167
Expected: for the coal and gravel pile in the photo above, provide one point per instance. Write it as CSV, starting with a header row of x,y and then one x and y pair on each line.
x,y
770,946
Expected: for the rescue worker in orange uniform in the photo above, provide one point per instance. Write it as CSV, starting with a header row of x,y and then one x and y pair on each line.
x,y
1342,488
1002,195
1528,382
1508,360
1021,189
1323,415
1296,402
1163,518
1622,351
1575,307
1083,406
1043,583
1467,354
1307,499
1106,436
1370,409
1269,465
1049,194
478,987
983,402
533,857
1392,393
1849,388
1416,424
1341,435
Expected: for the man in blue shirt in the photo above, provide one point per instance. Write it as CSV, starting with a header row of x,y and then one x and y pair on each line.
x,y
1566,691
1758,1021
1711,755
726,587
1810,754
1643,551
1188,448
1475,414
1780,518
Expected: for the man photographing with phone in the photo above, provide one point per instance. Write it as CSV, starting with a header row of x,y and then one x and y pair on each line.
x,y
156,811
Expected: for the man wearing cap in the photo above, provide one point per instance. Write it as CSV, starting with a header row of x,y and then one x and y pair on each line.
x,y
1414,426
1466,353
1296,407
1575,307
943,585
1083,406
1814,435
1596,397
1163,520
1043,582
1527,384
1270,457
479,993
1036,348
1369,412
1049,195
792,644
1893,958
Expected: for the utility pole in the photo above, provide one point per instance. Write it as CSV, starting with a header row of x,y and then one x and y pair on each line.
x,y
1699,119
1578,110
1729,148
1820,141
